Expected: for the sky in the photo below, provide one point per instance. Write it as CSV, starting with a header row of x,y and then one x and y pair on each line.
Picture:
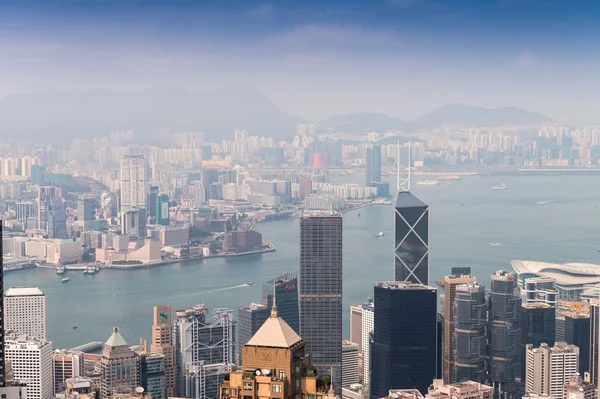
x,y
316,58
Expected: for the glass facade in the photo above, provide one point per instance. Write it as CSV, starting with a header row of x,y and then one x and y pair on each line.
x,y
286,290
411,245
373,165
404,348
152,372
577,332
250,319
321,291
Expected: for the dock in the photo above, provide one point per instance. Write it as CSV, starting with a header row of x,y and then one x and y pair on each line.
x,y
89,347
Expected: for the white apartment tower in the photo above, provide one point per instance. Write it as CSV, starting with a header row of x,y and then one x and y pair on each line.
x,y
549,369
25,311
349,363
368,321
31,360
134,182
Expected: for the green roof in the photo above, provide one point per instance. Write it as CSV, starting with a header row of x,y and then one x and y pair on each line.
x,y
116,339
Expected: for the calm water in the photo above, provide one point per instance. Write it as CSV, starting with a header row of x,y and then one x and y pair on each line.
x,y
564,228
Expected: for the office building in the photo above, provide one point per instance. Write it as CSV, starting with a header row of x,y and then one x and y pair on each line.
x,y
321,291
285,288
538,324
31,361
134,182
152,374
120,367
459,390
450,284
368,322
250,319
162,343
578,388
550,368
162,210
356,333
24,210
373,164
133,222
56,225
85,212
577,332
275,365
305,187
204,349
504,333
470,345
2,318
404,348
151,201
411,245
594,340
67,364
25,311
349,363
541,289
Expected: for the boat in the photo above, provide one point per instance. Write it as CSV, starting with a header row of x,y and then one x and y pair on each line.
x,y
64,280
60,270
380,234
500,186
358,214
428,182
251,283
448,178
91,270
494,244
75,327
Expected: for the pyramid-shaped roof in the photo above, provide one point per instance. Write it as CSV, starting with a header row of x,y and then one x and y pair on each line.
x,y
275,333
406,199
116,339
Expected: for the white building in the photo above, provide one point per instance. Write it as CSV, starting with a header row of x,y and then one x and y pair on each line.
x,y
549,369
368,322
134,182
349,363
31,360
25,311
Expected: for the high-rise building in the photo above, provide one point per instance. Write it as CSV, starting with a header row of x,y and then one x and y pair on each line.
x,y
368,323
24,210
577,332
31,361
2,318
373,164
321,291
56,226
162,342
470,345
151,201
504,333
120,367
550,368
594,340
356,333
411,245
152,374
349,363
85,212
538,326
465,389
134,182
404,348
250,319
67,364
305,187
204,349
578,388
541,289
450,284
25,311
162,210
285,288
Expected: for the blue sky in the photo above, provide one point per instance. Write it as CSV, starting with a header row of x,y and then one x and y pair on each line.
x,y
316,58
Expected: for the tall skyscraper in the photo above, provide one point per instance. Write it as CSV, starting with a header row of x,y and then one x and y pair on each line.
x,y
368,322
356,333
373,164
250,319
450,284
67,364
85,212
321,291
349,363
151,201
162,342
550,368
31,361
162,210
152,373
404,348
205,350
285,288
538,326
470,345
504,329
2,318
594,340
577,332
134,182
120,367
25,311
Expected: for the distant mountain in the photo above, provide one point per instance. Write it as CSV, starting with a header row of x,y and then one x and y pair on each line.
x,y
64,115
362,123
462,114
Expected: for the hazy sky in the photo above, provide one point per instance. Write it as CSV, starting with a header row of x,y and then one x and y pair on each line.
x,y
316,58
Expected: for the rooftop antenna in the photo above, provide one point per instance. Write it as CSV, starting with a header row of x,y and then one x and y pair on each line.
x,y
274,312
403,184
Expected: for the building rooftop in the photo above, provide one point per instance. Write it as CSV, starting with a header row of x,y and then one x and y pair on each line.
x,y
23,291
116,339
406,199
563,273
537,305
320,213
275,333
403,285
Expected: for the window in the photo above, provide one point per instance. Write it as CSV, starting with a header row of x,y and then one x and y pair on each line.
x,y
281,373
248,386
311,396
297,384
297,369
276,388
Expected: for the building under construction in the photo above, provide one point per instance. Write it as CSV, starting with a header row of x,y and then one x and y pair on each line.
x,y
204,349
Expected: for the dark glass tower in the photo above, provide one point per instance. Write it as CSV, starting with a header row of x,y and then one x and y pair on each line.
x,y
404,347
470,346
321,291
504,333
373,165
286,290
411,246
539,323
250,319
577,332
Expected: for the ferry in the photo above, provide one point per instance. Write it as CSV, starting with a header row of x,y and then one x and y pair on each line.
x,y
60,270
500,186
494,244
428,182
91,270
64,280
448,178
251,284
380,234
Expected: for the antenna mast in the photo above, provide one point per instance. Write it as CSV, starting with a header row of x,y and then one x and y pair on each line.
x,y
404,184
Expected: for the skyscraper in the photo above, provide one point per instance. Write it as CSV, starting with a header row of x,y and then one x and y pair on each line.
x,y
450,284
151,201
538,326
404,348
162,210
349,363
594,340
250,319
368,322
504,333
134,182
67,364
411,245
152,373
25,311
373,164
550,368
2,318
162,342
285,288
470,346
31,360
356,333
577,332
321,291
120,367
85,212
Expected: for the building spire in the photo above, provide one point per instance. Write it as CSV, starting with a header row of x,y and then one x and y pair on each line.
x,y
331,390
403,184
274,312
